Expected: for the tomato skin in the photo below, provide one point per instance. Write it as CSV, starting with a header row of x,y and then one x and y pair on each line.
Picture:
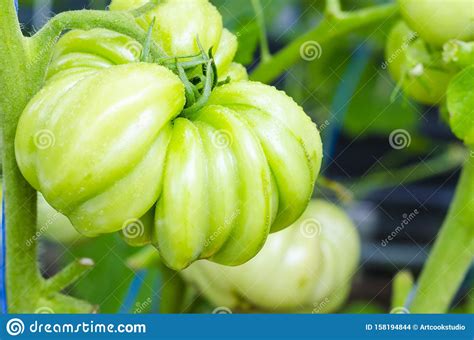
x,y
295,270
235,72
288,141
225,53
438,21
404,53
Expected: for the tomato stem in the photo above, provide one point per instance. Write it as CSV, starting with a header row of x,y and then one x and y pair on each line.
x,y
448,160
20,199
452,253
69,275
333,7
264,48
330,28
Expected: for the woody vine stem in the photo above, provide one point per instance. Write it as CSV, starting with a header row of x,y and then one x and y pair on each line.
x,y
23,64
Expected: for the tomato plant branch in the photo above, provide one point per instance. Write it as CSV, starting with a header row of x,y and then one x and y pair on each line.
x,y
69,275
450,159
331,27
452,253
264,48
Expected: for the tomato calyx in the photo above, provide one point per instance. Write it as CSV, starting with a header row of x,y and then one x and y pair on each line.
x,y
199,76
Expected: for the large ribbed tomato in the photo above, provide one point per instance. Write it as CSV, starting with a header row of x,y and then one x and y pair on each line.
x,y
107,143
103,145
306,267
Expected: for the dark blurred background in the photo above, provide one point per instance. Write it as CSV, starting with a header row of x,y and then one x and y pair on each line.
x,y
348,93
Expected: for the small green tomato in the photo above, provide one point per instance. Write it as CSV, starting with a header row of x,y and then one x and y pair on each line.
x,y
420,73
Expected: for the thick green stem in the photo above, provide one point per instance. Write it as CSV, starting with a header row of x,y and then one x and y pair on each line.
x,y
20,199
452,253
331,27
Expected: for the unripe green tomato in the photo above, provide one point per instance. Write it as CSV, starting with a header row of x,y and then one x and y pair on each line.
x,y
437,21
104,146
306,267
461,105
410,64
104,143
178,24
